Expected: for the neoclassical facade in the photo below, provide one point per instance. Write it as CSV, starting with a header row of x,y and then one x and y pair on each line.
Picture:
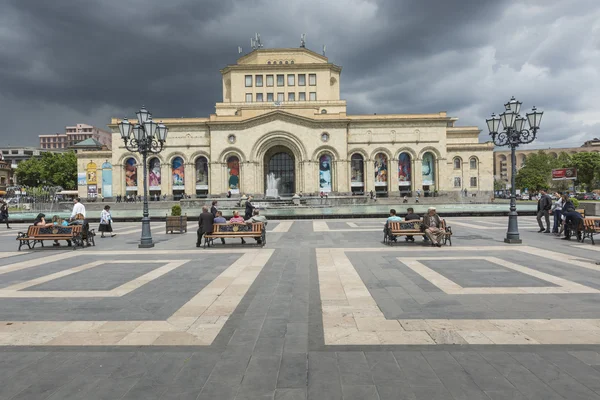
x,y
283,129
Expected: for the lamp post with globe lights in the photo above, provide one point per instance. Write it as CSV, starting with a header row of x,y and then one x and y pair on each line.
x,y
145,137
513,135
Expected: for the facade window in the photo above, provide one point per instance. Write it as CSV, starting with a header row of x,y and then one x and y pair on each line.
x,y
248,80
301,96
473,163
473,181
457,163
291,96
259,80
301,79
280,80
269,96
291,80
312,79
313,96
457,182
269,80
280,97
248,97
259,97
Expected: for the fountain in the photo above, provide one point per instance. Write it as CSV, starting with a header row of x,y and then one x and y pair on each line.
x,y
272,186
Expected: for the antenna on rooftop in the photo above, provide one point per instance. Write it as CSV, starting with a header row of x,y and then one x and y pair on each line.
x,y
255,42
324,49
303,40
240,50
258,41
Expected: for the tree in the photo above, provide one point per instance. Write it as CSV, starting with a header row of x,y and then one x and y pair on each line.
x,y
536,173
52,169
588,166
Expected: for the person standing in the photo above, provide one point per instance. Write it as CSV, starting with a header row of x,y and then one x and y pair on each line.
x,y
78,208
4,214
106,222
557,211
433,227
543,210
205,225
249,208
213,209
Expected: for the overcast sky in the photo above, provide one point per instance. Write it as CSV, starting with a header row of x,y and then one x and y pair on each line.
x,y
70,61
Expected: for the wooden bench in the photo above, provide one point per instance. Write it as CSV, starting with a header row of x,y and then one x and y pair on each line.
x,y
581,211
74,233
254,230
412,228
591,227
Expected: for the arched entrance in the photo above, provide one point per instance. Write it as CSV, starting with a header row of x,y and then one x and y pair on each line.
x,y
280,171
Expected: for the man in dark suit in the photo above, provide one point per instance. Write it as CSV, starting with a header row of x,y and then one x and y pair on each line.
x,y
213,209
205,224
543,210
411,216
249,209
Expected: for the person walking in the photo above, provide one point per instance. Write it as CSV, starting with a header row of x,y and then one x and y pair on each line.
x,y
544,206
249,208
213,209
78,208
433,227
557,211
205,225
106,222
4,214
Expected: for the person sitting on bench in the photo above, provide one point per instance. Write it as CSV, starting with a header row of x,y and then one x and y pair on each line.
x,y
411,216
392,218
256,217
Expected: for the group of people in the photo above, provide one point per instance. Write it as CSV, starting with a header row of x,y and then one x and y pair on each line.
x,y
564,212
215,216
431,225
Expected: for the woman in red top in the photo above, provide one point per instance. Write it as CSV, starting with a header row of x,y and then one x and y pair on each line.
x,y
237,219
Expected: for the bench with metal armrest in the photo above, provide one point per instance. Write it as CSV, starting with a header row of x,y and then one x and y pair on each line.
x,y
255,230
39,234
412,228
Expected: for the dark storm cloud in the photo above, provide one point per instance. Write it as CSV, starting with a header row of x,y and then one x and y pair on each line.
x,y
63,62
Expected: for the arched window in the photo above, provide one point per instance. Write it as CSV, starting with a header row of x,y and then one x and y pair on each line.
x,y
131,175
357,173
201,176
233,174
325,169
428,171
404,172
154,175
473,163
457,163
381,172
177,168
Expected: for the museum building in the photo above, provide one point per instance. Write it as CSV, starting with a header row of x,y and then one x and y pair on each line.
x,y
283,128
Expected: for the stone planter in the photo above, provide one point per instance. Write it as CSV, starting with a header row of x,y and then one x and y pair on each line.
x,y
176,224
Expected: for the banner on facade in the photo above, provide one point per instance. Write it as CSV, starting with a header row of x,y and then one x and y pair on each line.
x,y
92,191
233,174
381,169
178,174
91,173
404,169
325,173
81,179
107,179
564,173
428,170
154,177
130,175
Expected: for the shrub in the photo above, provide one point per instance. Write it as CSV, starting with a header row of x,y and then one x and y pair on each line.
x,y
176,210
575,202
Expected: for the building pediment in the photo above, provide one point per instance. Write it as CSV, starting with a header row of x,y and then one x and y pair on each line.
x,y
277,115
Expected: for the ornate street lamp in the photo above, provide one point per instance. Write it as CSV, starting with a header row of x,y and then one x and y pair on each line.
x,y
513,135
145,137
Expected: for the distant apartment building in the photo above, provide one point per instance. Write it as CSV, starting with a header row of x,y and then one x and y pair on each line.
x,y
74,135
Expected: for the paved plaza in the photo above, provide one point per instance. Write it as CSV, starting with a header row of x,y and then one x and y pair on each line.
x,y
324,311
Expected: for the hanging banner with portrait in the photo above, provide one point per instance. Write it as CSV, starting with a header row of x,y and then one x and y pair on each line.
x,y
130,175
381,169
428,169
178,174
357,171
91,174
154,177
233,175
325,173
201,173
404,169
107,179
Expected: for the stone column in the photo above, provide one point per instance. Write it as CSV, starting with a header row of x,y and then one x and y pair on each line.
x,y
418,175
190,179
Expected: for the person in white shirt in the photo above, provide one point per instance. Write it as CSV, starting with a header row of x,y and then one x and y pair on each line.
x,y
78,208
557,211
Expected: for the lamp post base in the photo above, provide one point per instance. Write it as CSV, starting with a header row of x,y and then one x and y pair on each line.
x,y
145,245
513,241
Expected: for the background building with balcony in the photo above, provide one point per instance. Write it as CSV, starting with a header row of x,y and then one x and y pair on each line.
x,y
73,135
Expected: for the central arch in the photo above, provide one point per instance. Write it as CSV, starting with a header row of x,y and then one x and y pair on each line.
x,y
279,160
